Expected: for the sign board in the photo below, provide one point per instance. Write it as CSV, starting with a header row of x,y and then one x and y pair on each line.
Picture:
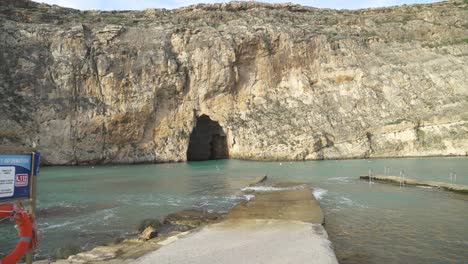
x,y
16,172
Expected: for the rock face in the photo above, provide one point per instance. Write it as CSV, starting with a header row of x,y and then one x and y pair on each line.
x,y
282,81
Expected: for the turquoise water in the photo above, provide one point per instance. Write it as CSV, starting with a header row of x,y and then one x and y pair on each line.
x,y
367,223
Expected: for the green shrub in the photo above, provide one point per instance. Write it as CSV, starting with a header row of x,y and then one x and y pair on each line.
x,y
115,19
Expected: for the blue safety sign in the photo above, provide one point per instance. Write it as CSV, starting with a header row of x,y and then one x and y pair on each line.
x,y
15,175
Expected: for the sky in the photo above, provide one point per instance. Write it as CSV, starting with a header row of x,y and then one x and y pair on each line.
x,y
169,4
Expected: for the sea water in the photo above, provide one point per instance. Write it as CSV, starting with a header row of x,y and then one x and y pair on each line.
x,y
367,223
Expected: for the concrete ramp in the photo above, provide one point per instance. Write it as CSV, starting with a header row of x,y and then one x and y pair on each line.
x,y
281,201
282,223
249,242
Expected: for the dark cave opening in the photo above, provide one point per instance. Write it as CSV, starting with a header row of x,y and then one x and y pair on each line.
x,y
207,141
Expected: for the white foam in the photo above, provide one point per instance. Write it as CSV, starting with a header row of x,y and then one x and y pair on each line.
x,y
249,197
425,187
340,179
150,204
272,188
108,214
232,198
319,193
48,226
345,200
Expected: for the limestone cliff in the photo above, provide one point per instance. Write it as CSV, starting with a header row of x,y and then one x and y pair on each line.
x,y
282,81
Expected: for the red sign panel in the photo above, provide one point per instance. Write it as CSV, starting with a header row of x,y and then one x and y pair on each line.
x,y
21,180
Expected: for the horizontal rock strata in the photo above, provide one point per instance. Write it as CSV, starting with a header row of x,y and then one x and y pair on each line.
x,y
284,82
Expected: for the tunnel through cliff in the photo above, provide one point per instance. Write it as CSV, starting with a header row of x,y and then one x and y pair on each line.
x,y
207,141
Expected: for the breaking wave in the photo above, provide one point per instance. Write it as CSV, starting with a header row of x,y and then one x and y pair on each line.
x,y
341,179
248,197
319,193
272,188
425,187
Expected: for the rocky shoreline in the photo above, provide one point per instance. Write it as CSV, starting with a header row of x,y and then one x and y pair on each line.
x,y
282,223
173,227
149,235
275,208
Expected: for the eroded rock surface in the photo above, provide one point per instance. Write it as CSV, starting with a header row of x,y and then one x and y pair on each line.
x,y
283,81
192,218
279,201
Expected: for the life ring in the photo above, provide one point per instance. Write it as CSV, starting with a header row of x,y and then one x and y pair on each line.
x,y
25,226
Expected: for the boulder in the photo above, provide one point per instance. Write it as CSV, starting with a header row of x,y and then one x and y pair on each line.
x,y
148,223
149,233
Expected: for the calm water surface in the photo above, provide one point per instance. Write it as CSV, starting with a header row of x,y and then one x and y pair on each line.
x,y
367,223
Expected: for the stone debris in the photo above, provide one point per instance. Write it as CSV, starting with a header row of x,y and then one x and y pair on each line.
x,y
258,180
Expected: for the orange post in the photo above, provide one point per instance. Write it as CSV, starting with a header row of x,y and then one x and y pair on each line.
x,y
32,201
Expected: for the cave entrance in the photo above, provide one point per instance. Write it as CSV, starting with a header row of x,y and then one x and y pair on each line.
x,y
207,141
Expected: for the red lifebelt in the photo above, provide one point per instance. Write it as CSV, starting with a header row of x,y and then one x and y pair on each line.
x,y
25,226
6,210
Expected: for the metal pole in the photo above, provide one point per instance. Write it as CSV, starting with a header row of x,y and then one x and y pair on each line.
x,y
401,174
32,202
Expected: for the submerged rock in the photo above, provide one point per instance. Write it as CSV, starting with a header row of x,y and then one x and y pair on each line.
x,y
258,180
144,224
192,218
